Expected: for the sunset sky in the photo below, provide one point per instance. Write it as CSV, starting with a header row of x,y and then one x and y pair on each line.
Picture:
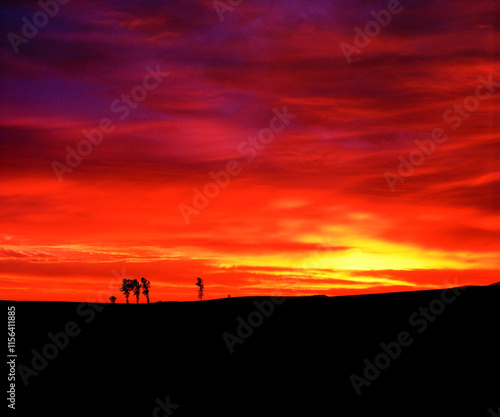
x,y
317,200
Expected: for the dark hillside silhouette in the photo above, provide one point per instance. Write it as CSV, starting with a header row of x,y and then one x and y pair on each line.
x,y
295,359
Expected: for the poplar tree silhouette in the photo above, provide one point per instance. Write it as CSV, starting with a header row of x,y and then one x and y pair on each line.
x,y
201,287
146,285
126,287
136,288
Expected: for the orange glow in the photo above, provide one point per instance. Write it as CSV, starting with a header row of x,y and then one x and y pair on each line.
x,y
310,211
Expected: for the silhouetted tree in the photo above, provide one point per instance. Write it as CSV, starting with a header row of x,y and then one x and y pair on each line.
x,y
201,287
146,285
135,286
126,287
112,299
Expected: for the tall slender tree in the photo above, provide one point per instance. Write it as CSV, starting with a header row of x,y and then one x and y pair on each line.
x,y
146,285
201,287
126,288
135,286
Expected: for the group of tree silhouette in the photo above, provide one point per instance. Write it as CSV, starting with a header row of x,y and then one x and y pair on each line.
x,y
134,286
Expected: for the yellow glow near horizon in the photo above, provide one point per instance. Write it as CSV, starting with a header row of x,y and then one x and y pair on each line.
x,y
385,256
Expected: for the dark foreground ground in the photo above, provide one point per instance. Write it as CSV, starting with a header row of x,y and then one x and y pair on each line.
x,y
126,359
